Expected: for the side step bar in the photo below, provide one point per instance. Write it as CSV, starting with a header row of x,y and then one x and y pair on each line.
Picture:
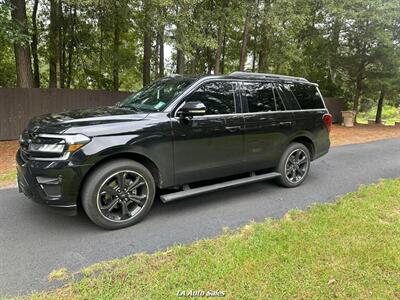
x,y
218,186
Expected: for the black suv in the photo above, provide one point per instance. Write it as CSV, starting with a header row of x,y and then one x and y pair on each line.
x,y
178,137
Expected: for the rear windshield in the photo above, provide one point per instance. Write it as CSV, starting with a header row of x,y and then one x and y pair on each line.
x,y
307,96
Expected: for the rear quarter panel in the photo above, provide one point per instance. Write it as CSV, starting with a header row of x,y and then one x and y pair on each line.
x,y
309,123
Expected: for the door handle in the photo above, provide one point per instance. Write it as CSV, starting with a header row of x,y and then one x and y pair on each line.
x,y
286,124
232,128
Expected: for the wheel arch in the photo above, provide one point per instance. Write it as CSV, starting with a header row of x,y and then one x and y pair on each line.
x,y
306,141
140,158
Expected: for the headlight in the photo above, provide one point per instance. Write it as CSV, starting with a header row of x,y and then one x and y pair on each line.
x,y
50,148
56,146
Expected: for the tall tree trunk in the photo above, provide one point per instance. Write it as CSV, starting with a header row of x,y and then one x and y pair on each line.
x,y
209,60
194,60
146,56
220,36
264,47
253,67
253,64
146,44
333,48
180,62
357,96
116,44
263,54
21,50
218,51
378,117
101,50
245,38
34,43
69,63
156,58
223,52
262,60
161,67
71,44
61,43
53,45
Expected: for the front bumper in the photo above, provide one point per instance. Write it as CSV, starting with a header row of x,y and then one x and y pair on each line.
x,y
52,183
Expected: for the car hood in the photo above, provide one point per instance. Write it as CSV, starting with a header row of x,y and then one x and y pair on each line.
x,y
82,118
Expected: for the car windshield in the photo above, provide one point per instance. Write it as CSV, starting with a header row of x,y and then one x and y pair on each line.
x,y
156,96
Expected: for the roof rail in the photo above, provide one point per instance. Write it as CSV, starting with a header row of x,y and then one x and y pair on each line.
x,y
266,75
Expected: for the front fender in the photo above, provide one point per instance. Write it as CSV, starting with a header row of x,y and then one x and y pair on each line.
x,y
155,146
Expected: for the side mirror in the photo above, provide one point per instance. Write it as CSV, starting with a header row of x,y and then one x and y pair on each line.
x,y
191,109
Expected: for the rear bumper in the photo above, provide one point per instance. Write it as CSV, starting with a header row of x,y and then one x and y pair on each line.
x,y
52,183
321,153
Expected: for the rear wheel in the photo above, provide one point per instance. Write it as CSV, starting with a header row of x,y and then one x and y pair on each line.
x,y
294,165
118,194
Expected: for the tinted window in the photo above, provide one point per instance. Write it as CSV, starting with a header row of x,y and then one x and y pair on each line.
x,y
260,97
278,101
307,96
216,96
156,96
288,97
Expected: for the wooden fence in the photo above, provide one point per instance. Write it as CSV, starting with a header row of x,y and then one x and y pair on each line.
x,y
18,105
335,106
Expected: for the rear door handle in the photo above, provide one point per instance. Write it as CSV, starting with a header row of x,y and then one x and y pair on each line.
x,y
232,128
286,124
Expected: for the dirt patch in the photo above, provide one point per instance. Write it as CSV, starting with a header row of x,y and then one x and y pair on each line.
x,y
8,149
362,133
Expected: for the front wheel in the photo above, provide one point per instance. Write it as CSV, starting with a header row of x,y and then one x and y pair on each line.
x,y
118,194
294,165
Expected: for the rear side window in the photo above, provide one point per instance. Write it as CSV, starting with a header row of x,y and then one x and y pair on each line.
x,y
307,96
216,96
260,97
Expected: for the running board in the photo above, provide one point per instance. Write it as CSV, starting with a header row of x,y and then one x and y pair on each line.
x,y
218,186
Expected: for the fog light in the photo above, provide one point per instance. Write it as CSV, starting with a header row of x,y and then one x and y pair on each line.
x,y
50,185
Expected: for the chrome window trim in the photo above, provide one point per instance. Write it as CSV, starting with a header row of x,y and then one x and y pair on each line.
x,y
261,112
283,111
174,106
322,98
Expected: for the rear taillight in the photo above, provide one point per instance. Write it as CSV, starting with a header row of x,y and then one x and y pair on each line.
x,y
328,121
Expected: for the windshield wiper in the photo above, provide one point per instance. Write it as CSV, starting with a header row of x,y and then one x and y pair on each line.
x,y
120,105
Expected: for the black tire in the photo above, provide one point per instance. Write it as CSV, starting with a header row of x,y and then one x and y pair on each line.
x,y
288,178
104,201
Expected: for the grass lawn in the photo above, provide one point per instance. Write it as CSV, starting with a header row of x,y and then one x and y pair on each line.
x,y
7,178
390,114
349,249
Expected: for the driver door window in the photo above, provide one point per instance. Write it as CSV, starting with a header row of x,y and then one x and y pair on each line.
x,y
216,96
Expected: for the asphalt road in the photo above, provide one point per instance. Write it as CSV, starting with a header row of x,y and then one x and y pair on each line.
x,y
35,241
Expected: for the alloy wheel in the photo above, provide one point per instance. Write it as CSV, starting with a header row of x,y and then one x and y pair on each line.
x,y
122,196
296,165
